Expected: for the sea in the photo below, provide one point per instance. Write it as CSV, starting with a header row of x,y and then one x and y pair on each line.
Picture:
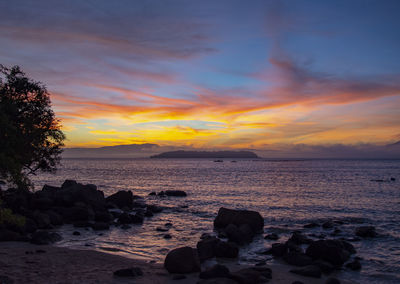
x,y
287,193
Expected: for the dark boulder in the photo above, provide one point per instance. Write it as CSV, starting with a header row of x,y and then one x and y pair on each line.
x,y
167,236
55,218
72,192
239,217
240,235
297,259
45,238
122,198
226,249
178,193
29,226
299,239
76,233
41,203
309,271
366,232
102,216
182,260
354,265
215,271
278,249
128,272
42,220
332,251
206,248
137,218
77,213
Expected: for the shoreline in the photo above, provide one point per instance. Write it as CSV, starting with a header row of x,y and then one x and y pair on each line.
x,y
28,263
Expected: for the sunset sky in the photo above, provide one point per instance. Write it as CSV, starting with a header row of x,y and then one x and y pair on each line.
x,y
213,74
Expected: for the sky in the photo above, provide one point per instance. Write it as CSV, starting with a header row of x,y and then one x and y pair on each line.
x,y
213,74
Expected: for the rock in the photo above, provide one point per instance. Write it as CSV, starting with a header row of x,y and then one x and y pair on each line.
x,y
88,194
161,194
125,227
354,265
42,220
215,271
297,282
332,280
239,217
153,193
297,259
240,235
366,232
206,248
161,229
226,249
77,213
311,225
42,203
332,251
272,236
179,193
246,276
99,226
167,236
55,218
182,260
299,239
29,226
76,233
122,198
128,272
309,271
148,213
45,238
278,249
103,216
125,218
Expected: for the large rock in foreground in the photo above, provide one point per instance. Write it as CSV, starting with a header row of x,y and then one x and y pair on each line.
x,y
335,252
182,260
239,217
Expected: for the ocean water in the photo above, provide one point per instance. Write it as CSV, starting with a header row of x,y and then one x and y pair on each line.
x,y
287,193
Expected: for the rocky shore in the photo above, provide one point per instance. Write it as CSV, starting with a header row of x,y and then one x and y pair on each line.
x,y
29,222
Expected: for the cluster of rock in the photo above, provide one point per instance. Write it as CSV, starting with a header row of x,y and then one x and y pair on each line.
x,y
238,227
317,257
177,193
72,203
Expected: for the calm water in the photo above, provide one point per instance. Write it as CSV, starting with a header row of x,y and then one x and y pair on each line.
x,y
288,194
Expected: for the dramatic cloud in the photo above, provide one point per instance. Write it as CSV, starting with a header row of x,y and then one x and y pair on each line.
x,y
221,74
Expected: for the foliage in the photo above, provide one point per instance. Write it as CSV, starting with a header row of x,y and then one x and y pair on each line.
x,y
7,217
30,135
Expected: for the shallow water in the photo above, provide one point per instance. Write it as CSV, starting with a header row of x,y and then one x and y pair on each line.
x,y
288,194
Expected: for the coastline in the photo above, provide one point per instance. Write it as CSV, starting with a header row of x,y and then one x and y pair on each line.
x,y
27,263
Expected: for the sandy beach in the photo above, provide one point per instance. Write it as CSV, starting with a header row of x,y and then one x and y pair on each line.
x,y
27,263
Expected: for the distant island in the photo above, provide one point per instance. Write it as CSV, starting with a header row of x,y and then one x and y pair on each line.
x,y
207,154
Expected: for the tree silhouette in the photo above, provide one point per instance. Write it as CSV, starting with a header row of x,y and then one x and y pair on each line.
x,y
30,135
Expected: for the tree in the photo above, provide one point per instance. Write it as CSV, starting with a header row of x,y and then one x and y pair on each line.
x,y
30,135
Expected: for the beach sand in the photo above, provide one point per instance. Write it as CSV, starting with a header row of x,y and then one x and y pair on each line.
x,y
24,263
